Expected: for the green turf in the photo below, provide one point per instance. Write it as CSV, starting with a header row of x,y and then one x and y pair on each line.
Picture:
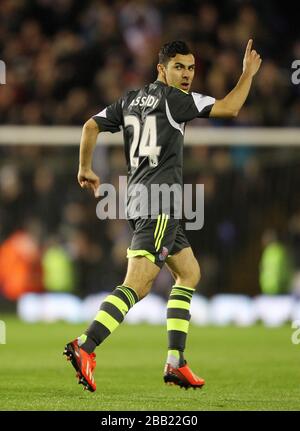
x,y
245,369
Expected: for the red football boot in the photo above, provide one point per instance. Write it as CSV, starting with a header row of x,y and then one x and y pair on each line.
x,y
183,377
83,362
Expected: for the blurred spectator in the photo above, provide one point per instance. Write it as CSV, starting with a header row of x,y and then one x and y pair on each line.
x,y
47,201
11,199
275,265
58,268
20,265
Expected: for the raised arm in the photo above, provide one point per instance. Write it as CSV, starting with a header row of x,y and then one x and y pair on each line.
x,y
232,103
86,177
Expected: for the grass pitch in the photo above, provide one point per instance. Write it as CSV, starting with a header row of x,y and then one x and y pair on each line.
x,y
245,369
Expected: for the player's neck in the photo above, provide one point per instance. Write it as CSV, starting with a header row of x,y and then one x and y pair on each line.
x,y
161,79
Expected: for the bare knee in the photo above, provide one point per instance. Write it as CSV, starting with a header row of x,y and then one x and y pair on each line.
x,y
141,290
140,275
190,276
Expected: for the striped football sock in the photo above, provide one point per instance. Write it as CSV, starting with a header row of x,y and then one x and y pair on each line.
x,y
112,312
178,318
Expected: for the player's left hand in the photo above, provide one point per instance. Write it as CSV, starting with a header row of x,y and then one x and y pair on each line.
x,y
252,60
89,180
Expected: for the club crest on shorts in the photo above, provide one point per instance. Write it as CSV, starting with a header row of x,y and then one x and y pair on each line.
x,y
163,254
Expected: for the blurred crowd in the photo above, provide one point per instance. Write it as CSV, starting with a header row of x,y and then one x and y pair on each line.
x,y
51,238
66,60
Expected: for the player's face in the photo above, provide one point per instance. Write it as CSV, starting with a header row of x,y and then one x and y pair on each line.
x,y
180,71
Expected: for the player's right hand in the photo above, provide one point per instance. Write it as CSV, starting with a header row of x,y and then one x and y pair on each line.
x,y
252,60
89,180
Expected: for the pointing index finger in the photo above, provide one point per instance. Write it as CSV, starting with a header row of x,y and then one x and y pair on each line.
x,y
249,46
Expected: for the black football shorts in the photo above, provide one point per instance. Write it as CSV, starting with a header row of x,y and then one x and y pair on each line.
x,y
156,239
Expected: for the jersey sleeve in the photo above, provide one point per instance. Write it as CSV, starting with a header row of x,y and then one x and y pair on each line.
x,y
110,119
187,106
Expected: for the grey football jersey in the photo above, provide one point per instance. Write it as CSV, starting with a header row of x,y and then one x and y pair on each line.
x,y
153,120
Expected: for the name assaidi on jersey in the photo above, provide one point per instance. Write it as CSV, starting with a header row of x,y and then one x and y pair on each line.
x,y
145,101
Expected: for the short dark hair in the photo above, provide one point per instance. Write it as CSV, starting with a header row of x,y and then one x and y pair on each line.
x,y
170,49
